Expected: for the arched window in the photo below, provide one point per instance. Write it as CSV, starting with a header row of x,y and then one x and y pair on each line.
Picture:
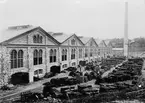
x,y
40,56
72,51
20,58
54,56
63,53
80,53
73,42
35,57
86,52
34,39
40,39
14,59
65,56
51,56
37,39
91,52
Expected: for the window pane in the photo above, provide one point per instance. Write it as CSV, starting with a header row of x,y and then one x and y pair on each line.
x,y
50,59
35,61
62,58
15,63
54,59
40,60
12,64
65,57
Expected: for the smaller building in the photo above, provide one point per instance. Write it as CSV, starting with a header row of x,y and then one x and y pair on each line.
x,y
135,49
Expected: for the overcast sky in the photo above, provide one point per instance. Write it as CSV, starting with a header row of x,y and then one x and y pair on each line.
x,y
95,18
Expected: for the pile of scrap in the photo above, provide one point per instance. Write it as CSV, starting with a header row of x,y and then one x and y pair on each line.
x,y
108,63
63,81
70,92
125,77
127,71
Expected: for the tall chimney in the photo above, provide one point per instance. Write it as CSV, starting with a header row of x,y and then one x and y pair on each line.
x,y
126,30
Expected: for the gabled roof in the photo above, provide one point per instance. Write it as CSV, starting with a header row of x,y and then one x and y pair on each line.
x,y
85,40
16,31
95,42
99,41
61,37
108,42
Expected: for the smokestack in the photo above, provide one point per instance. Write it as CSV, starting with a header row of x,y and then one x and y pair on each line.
x,y
126,30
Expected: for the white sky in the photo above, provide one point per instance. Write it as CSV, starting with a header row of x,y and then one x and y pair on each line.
x,y
95,18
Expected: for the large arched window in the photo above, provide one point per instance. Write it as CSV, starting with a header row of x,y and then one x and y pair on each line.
x,y
73,51
51,56
20,58
86,52
40,56
63,53
14,59
80,53
65,56
91,52
54,56
35,57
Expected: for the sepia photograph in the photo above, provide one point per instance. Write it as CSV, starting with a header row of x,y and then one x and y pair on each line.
x,y
72,51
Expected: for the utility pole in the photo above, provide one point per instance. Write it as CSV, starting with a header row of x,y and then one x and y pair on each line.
x,y
126,31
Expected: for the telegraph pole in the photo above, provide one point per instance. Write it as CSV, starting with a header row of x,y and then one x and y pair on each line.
x,y
126,31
